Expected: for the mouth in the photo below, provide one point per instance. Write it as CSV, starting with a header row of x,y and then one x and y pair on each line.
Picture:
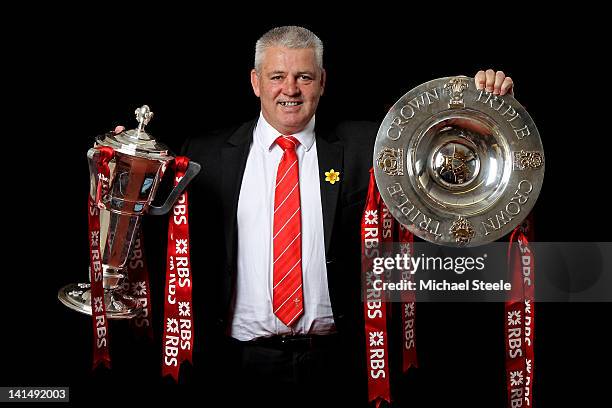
x,y
290,103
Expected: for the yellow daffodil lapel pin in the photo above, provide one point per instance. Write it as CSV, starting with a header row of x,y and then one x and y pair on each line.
x,y
332,176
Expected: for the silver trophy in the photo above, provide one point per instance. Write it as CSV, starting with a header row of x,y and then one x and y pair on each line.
x,y
138,165
458,166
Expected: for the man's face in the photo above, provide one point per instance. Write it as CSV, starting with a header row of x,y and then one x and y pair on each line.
x,y
289,86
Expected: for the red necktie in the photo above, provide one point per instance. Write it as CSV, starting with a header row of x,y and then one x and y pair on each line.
x,y
288,304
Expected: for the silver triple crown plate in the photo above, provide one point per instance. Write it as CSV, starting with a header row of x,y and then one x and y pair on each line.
x,y
458,166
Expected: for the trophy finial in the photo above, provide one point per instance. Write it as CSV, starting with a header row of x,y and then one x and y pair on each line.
x,y
143,116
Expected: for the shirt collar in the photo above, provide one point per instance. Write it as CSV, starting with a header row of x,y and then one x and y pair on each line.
x,y
266,135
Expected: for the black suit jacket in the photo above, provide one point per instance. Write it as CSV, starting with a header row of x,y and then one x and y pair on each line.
x,y
346,147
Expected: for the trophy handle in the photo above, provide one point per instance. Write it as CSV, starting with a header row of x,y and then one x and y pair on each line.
x,y
192,170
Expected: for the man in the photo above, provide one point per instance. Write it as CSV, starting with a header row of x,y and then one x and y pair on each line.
x,y
275,234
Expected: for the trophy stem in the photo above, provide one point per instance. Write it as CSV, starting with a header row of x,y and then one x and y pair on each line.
x,y
112,278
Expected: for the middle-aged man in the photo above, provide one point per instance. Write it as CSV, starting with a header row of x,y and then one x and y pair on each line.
x,y
275,236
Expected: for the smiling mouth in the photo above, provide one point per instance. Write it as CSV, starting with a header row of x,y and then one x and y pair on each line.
x,y
292,103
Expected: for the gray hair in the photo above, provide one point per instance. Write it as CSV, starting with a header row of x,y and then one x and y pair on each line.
x,y
288,37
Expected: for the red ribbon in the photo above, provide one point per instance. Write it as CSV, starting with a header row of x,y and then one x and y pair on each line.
x,y
387,228
101,353
519,322
374,305
139,288
105,155
178,311
408,305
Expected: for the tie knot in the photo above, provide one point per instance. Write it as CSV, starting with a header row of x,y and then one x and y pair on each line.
x,y
287,142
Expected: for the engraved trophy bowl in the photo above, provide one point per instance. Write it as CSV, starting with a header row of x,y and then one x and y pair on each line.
x,y
458,166
136,169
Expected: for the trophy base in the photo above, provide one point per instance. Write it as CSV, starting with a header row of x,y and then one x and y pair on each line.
x,y
77,296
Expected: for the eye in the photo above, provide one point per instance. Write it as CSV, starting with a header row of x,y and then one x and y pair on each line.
x,y
305,77
276,77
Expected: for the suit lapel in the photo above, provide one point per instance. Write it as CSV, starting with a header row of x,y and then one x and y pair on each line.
x,y
330,156
233,158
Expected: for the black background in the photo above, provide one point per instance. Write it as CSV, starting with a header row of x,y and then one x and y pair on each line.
x,y
71,78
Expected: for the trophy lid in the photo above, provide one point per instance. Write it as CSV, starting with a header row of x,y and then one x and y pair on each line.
x,y
137,142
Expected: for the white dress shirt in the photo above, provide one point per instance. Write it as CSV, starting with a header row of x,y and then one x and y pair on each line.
x,y
253,315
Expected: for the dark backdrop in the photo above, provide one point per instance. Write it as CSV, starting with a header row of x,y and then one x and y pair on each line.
x,y
77,77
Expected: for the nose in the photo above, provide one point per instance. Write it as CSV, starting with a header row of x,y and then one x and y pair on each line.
x,y
290,87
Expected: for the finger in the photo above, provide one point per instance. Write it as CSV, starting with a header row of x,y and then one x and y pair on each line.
x,y
119,129
499,80
480,79
507,86
490,74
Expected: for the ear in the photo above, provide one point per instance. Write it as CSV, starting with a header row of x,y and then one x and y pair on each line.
x,y
323,79
255,82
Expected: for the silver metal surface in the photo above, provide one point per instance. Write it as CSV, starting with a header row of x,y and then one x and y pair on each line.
x,y
458,166
137,142
119,305
135,171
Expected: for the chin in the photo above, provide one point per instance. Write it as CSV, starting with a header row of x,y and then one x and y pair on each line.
x,y
293,124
